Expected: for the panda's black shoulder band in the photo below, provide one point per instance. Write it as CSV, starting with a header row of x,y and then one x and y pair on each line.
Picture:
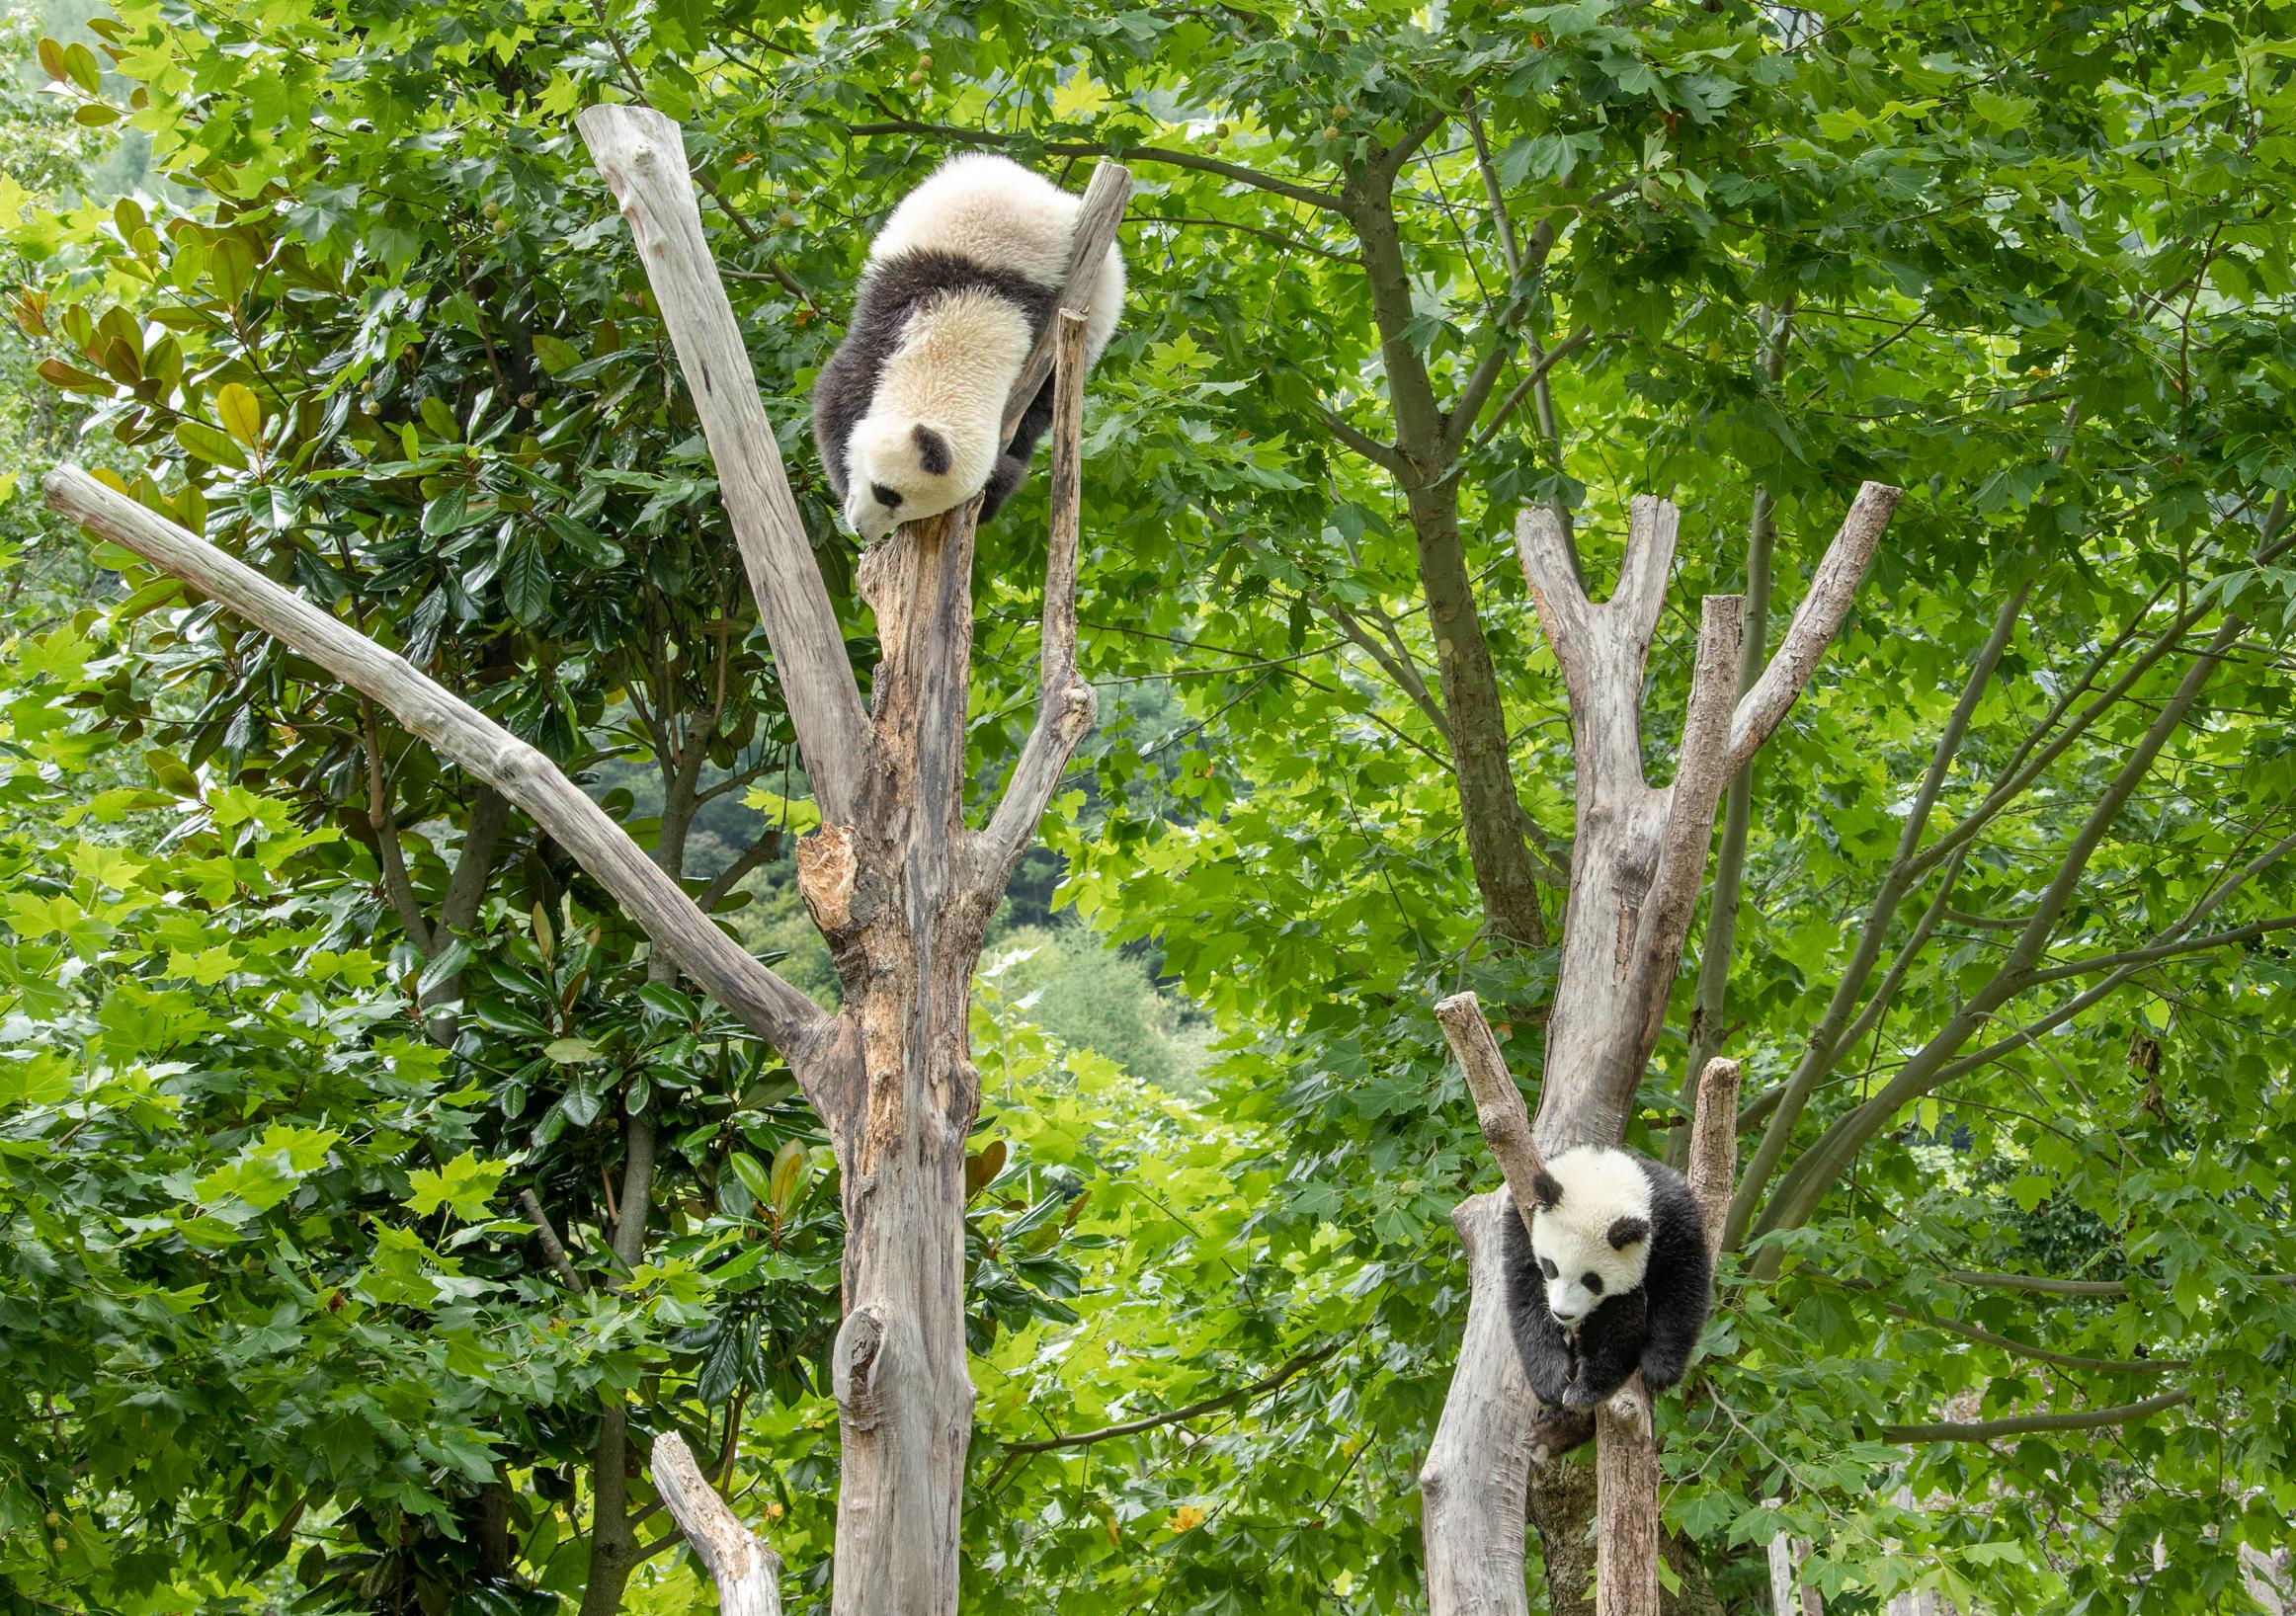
x,y
907,280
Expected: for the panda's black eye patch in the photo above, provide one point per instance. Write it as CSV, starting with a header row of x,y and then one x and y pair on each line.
x,y
1546,1267
886,497
1592,1282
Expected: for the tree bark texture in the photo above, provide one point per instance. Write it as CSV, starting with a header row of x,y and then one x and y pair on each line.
x,y
899,886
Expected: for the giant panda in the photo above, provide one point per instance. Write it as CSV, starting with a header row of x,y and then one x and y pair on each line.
x,y
1610,1277
960,281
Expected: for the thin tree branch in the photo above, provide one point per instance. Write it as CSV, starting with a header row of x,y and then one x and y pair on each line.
x,y
385,825
1147,154
553,1248
1825,1041
1132,1427
1100,214
1066,704
1818,1168
1815,621
1534,378
763,850
1989,1430
1380,454
1499,1108
2160,950
748,1574
2016,1349
1502,224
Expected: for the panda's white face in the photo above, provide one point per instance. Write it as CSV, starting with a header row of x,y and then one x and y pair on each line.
x,y
901,469
1591,1233
930,440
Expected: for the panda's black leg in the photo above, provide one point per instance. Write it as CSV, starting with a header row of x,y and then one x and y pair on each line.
x,y
1010,471
1610,1352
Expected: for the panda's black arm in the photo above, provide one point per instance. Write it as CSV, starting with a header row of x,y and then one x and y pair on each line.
x,y
1012,467
1610,1349
1678,1288
1544,1350
1540,1341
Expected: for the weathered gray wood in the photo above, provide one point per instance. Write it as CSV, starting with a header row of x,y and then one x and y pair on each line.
x,y
763,1002
1815,621
1499,1108
1783,1601
1474,1485
1098,218
1066,705
899,890
1627,1478
1640,851
642,156
1713,1164
748,1574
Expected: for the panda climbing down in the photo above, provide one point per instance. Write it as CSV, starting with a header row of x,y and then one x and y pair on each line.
x,y
960,281
1613,1276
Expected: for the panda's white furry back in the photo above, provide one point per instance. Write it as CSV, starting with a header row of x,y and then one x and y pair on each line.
x,y
961,279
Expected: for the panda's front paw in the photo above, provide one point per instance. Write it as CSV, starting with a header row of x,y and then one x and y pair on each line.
x,y
1549,1377
1579,1396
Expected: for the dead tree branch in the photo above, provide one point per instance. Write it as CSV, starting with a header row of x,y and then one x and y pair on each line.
x,y
748,1574
759,999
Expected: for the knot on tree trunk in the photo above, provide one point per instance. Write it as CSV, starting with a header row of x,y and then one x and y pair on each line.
x,y
852,1368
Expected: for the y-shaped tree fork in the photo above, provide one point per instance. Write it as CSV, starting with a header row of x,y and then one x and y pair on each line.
x,y
1637,861
899,885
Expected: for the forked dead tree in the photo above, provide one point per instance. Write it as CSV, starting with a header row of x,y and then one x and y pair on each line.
x,y
1637,863
901,887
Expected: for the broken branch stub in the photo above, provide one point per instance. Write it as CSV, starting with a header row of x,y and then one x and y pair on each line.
x,y
748,1574
1499,1108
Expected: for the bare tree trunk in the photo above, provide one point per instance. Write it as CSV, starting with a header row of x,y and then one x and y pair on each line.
x,y
1636,864
899,885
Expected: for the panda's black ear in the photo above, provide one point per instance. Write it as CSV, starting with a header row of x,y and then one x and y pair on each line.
x,y
1547,1188
1626,1231
931,451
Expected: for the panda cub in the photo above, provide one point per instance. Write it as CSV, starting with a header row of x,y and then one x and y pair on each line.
x,y
1613,1276
959,282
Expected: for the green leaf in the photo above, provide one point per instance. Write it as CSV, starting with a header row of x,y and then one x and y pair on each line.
x,y
230,267
464,1186
204,443
447,514
663,1001
443,967
72,379
792,1171
753,1175
525,582
86,72
242,416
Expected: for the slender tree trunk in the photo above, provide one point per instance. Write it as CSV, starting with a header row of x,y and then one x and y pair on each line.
x,y
1489,810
